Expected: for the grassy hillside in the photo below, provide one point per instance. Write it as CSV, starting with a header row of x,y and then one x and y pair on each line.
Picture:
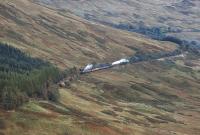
x,y
155,97
175,17
65,39
160,97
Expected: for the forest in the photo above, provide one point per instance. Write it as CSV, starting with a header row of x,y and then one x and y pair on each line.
x,y
23,77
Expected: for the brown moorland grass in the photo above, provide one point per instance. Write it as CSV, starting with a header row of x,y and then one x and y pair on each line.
x,y
158,97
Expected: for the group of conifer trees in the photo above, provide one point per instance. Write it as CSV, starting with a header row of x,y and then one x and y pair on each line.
x,y
23,77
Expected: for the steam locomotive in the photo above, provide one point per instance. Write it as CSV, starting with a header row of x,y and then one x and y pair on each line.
x,y
96,67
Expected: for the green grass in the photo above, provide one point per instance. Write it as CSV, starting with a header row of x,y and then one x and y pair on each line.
x,y
34,107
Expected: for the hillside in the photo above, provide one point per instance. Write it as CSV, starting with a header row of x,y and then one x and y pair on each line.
x,y
65,39
178,18
152,97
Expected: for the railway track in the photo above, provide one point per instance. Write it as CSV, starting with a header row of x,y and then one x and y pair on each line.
x,y
134,59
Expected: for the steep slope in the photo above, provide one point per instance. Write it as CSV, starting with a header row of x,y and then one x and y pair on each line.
x,y
154,97
64,38
173,16
144,99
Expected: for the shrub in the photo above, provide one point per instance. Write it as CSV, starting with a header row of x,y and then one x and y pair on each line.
x,y
12,97
53,94
2,124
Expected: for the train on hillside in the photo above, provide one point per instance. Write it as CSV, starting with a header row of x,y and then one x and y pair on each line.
x,y
95,67
134,59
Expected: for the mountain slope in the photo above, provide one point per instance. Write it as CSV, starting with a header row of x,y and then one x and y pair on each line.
x,y
173,16
153,97
65,38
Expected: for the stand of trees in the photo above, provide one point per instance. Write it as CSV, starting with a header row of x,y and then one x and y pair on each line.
x,y
157,33
160,33
23,77
152,56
